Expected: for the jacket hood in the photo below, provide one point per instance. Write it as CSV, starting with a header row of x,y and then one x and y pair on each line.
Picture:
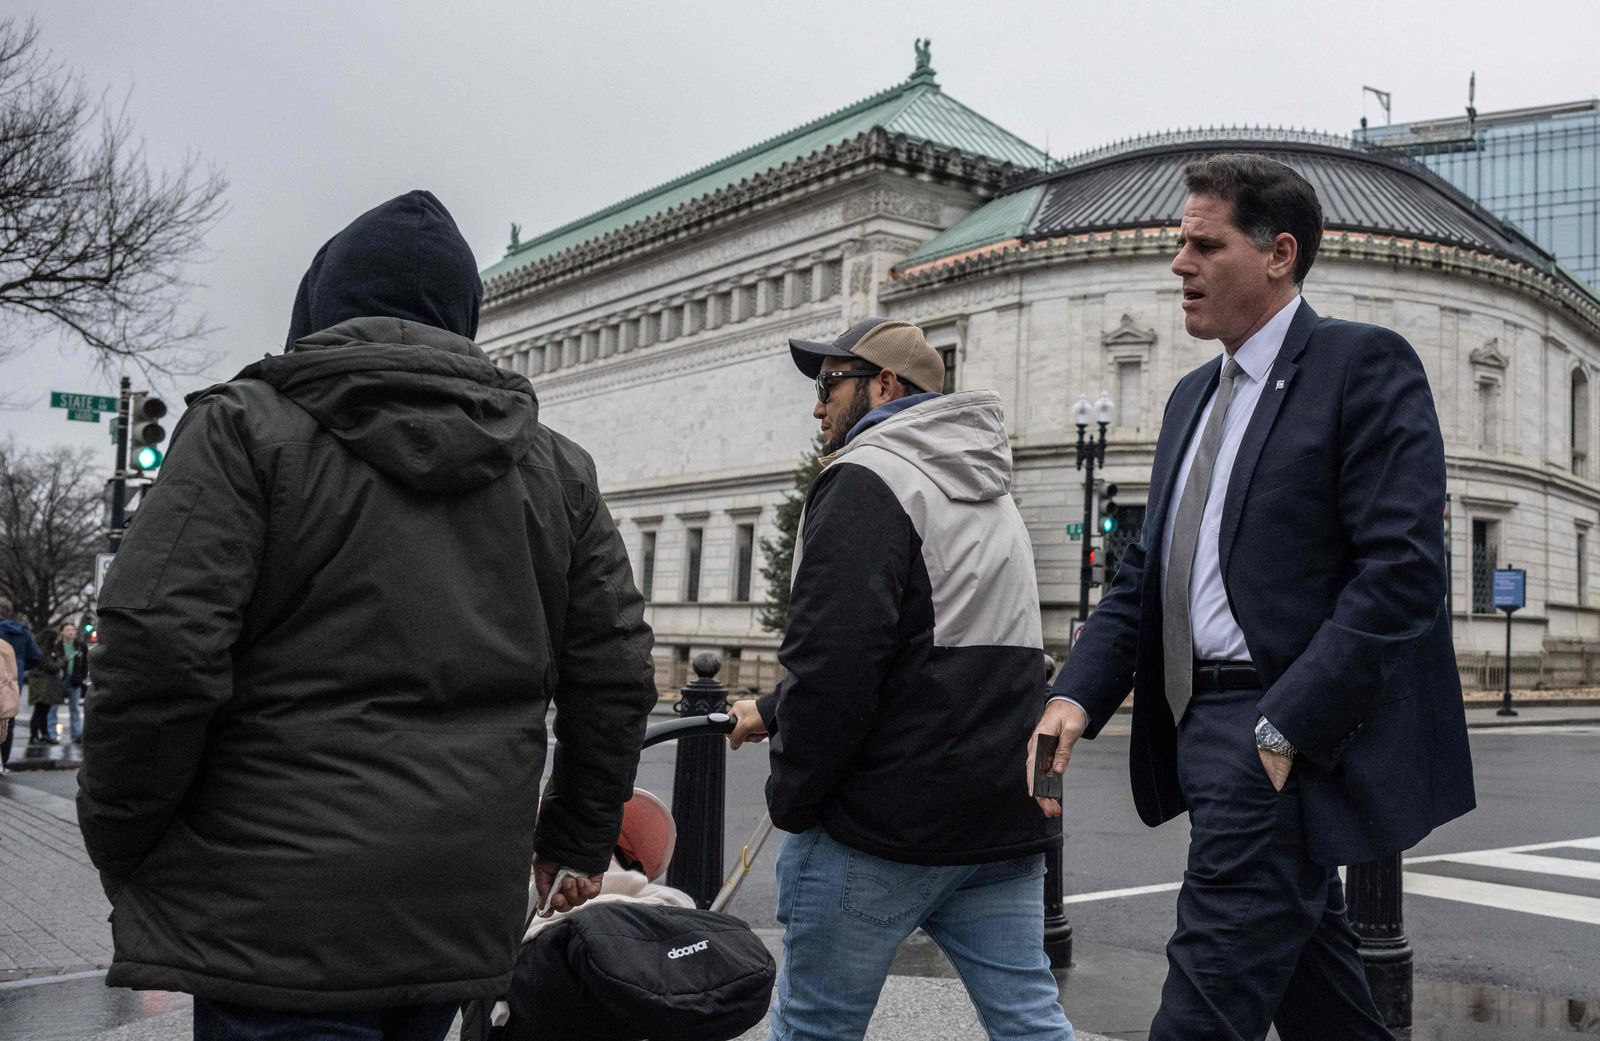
x,y
422,405
958,440
11,625
402,259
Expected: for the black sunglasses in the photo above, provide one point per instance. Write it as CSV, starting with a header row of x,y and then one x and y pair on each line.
x,y
825,380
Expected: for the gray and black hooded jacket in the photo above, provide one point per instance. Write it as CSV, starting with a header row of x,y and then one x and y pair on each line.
x,y
914,647
329,642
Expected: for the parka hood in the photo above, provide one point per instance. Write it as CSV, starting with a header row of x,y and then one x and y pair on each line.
x,y
958,440
402,259
424,406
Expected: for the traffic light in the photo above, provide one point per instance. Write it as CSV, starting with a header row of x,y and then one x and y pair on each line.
x,y
145,432
1097,570
1108,508
90,632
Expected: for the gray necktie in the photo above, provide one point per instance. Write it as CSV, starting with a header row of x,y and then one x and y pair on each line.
x,y
1177,632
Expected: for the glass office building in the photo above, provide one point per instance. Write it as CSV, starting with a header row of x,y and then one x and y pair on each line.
x,y
1536,167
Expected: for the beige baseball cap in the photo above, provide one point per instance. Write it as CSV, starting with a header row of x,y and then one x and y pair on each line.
x,y
885,342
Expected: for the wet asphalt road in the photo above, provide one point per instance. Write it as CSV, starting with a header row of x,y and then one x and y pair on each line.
x,y
1536,786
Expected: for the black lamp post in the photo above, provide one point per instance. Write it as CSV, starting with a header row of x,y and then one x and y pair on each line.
x,y
1057,930
1091,452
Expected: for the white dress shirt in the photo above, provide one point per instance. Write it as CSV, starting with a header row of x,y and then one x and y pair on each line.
x,y
1217,636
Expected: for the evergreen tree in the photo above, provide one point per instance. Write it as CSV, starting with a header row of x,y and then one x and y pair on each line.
x,y
777,554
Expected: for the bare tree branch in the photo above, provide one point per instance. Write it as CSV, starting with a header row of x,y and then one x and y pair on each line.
x,y
51,514
93,243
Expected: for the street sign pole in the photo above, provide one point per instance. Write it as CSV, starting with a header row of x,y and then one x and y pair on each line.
x,y
1505,705
119,479
1510,594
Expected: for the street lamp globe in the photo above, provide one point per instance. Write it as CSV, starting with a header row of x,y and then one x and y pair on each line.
x,y
1105,410
1081,411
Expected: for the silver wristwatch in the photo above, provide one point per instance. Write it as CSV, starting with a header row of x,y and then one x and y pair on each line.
x,y
1270,739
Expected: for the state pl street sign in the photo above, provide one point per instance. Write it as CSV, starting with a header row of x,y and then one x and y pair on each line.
x,y
1074,531
82,402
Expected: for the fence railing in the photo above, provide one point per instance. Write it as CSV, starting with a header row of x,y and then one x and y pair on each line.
x,y
1546,670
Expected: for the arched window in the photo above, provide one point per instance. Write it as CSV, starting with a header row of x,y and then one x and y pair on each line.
x,y
1580,423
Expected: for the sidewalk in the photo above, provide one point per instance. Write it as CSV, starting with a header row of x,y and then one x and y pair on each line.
x,y
52,912
55,943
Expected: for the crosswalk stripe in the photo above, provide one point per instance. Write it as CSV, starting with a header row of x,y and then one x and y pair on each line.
x,y
1117,894
1512,858
1589,843
1506,898
1530,862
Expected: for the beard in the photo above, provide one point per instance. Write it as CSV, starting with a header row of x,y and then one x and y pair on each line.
x,y
860,405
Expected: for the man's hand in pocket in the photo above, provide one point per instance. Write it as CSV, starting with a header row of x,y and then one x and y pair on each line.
x,y
1277,767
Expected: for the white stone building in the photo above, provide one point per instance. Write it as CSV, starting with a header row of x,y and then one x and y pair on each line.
x,y
655,334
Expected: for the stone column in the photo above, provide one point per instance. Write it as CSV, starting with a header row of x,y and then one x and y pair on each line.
x,y
791,287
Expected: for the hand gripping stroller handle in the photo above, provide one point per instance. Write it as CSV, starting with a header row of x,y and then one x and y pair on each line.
x,y
688,726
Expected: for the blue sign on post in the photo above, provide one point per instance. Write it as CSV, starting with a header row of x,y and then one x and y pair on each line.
x,y
1510,588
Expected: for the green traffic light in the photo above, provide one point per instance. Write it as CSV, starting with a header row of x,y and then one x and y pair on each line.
x,y
1108,524
147,458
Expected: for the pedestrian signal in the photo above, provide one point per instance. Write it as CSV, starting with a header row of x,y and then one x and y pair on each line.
x,y
145,432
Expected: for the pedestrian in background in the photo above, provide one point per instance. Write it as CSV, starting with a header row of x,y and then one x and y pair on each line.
x,y
26,654
311,820
75,675
10,700
46,690
912,651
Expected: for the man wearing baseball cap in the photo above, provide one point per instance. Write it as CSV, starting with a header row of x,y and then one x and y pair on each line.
x,y
912,652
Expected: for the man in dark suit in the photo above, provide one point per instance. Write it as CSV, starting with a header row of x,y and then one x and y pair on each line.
x,y
1282,623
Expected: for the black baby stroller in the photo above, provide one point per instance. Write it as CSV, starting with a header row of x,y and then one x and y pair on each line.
x,y
622,970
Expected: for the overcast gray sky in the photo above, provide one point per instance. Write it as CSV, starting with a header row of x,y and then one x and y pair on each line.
x,y
542,112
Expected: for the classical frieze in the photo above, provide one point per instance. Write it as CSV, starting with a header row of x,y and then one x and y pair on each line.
x,y
884,201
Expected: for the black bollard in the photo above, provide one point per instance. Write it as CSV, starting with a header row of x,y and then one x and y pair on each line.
x,y
1057,930
699,778
1373,891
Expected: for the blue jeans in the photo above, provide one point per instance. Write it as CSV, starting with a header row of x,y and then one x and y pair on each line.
x,y
219,1021
74,714
845,914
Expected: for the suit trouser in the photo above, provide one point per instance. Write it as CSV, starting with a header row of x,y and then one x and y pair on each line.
x,y
1262,937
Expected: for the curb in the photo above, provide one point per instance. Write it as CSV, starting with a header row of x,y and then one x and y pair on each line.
x,y
26,765
1486,724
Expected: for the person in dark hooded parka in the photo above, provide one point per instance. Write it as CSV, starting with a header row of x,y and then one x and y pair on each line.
x,y
329,643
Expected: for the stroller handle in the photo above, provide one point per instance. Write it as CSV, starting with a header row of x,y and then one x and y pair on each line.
x,y
688,726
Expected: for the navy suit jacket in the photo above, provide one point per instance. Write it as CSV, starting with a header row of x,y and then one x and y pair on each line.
x,y
1332,553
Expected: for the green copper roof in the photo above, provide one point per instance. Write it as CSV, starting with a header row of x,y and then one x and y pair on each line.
x,y
995,221
916,108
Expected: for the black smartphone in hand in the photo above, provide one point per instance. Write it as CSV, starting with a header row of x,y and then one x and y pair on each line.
x,y
1046,784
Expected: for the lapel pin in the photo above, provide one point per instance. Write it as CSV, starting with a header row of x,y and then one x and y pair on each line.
x,y
1279,386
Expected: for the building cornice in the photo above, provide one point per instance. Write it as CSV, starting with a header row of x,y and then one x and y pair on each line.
x,y
872,151
1014,256
764,479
